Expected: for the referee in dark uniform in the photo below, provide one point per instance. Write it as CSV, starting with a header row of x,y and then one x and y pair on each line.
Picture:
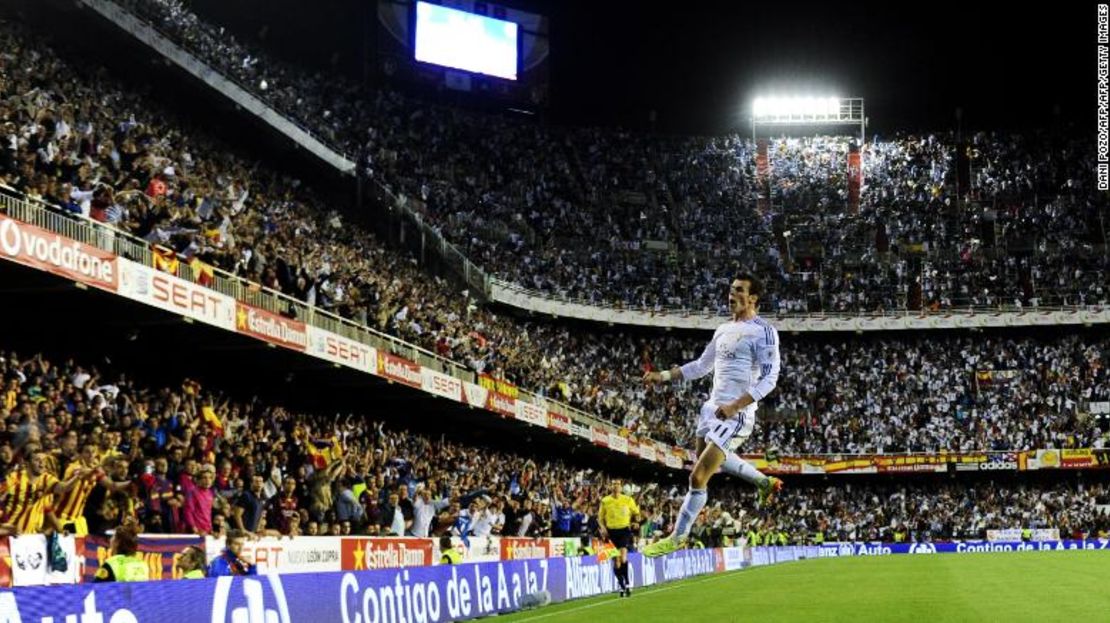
x,y
615,519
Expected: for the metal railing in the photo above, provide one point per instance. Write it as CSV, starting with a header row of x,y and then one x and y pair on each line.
x,y
106,7
473,275
687,312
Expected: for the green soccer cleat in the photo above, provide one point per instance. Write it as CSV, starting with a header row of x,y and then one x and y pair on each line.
x,y
767,490
663,546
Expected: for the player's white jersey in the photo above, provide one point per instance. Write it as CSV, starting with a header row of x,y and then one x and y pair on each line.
x,y
744,358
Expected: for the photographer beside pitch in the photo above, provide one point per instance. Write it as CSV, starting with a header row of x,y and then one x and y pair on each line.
x,y
615,520
744,359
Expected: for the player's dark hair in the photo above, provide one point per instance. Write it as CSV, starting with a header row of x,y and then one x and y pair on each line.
x,y
755,286
126,541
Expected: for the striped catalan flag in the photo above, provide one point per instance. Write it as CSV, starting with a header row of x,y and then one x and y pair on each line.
x,y
210,416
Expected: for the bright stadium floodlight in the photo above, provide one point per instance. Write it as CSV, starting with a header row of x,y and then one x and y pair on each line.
x,y
808,110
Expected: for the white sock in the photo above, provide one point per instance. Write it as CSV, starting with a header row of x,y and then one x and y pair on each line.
x,y
744,470
691,508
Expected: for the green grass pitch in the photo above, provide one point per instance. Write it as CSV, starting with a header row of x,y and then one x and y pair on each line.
x,y
1071,586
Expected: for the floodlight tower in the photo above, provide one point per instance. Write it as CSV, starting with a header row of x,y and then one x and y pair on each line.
x,y
808,111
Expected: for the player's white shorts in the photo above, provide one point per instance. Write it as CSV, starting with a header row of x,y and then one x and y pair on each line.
x,y
725,434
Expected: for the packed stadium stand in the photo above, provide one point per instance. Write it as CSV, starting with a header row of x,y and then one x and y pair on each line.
x,y
1007,428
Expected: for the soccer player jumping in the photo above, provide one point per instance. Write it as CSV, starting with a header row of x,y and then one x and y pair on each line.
x,y
744,358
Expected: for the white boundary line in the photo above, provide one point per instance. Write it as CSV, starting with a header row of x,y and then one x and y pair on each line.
x,y
647,591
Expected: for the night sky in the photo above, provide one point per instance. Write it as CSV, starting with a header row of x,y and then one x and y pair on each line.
x,y
699,64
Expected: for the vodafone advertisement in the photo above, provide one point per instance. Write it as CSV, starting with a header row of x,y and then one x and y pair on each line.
x,y
45,250
340,350
164,291
270,327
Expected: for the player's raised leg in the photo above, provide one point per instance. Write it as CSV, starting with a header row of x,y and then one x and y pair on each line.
x,y
709,463
767,486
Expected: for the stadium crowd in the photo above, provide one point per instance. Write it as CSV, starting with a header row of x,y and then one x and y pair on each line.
x,y
568,211
188,459
928,512
85,448
128,162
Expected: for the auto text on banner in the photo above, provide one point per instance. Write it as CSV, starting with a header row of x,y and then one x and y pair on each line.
x,y
961,547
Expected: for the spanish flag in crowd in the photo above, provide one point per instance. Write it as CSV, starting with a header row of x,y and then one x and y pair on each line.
x,y
323,452
203,273
212,419
190,387
165,259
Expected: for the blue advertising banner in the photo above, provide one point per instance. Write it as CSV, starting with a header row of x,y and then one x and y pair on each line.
x,y
416,594
963,547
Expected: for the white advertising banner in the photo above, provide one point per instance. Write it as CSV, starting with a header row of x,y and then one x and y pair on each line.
x,y
30,565
531,413
340,350
310,554
475,395
165,291
441,384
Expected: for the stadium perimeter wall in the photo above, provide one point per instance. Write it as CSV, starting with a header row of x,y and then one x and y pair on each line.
x,y
427,593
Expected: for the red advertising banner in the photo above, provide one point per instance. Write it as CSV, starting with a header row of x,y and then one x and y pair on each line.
x,y
385,553
5,563
513,548
601,437
45,250
270,327
558,422
499,403
855,179
762,160
399,370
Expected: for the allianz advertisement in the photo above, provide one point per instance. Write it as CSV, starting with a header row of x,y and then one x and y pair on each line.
x,y
415,595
